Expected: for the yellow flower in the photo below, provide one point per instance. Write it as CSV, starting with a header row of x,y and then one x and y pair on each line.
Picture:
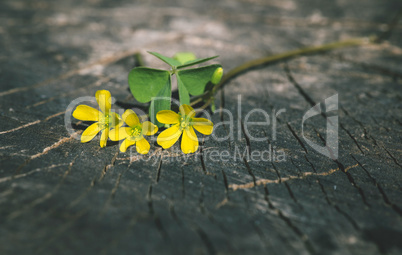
x,y
182,123
105,119
134,134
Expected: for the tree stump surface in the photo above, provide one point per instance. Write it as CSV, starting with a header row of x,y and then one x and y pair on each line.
x,y
59,196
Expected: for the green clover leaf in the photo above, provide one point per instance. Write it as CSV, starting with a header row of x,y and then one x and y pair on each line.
x,y
160,102
184,57
195,62
145,82
184,97
196,79
170,61
148,84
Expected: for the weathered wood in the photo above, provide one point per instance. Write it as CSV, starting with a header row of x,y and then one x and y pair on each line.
x,y
60,196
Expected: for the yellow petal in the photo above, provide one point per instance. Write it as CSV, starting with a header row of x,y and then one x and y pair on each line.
x,y
143,146
116,120
148,128
189,141
130,118
90,132
167,117
118,134
125,144
167,138
187,110
86,113
202,125
104,100
104,136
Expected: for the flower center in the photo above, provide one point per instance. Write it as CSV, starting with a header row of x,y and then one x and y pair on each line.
x,y
105,121
136,131
184,122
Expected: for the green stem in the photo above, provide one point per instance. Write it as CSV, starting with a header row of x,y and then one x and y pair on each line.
x,y
284,56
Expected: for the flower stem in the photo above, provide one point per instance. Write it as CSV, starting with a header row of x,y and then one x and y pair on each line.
x,y
282,57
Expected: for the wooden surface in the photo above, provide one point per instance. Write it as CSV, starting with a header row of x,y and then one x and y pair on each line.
x,y
58,196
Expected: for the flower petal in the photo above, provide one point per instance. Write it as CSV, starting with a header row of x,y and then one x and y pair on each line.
x,y
116,120
167,138
104,136
202,125
90,132
189,141
187,110
118,134
125,144
104,100
131,118
148,128
86,113
143,146
167,117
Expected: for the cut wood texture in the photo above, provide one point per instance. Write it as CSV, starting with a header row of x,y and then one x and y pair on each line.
x,y
59,196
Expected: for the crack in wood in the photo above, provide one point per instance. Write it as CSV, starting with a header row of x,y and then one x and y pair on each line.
x,y
84,194
207,242
260,182
45,197
103,61
225,182
156,219
313,103
204,169
161,229
112,193
352,181
297,167
221,107
392,157
246,137
348,175
250,172
347,216
20,127
386,150
201,201
303,237
158,170
72,92
366,134
47,149
225,201
329,202
296,85
297,137
331,152
385,198
36,170
351,137
174,215
292,196
204,211
108,167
